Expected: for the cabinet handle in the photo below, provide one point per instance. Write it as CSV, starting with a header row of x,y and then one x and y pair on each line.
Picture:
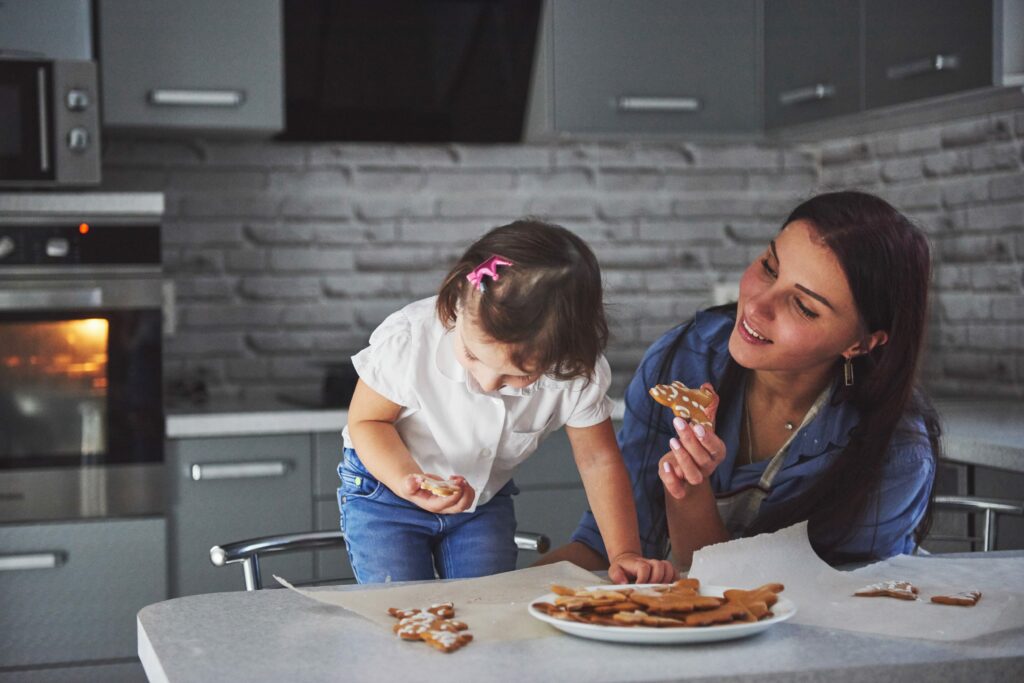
x,y
44,122
239,470
14,563
91,297
926,65
162,97
658,104
818,91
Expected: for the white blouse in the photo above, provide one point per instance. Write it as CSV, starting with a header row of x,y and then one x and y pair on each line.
x,y
452,427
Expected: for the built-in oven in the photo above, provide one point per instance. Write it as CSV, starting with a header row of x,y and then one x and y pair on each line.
x,y
81,319
49,123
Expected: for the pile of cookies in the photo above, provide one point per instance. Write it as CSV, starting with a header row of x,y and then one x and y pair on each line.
x,y
434,625
671,606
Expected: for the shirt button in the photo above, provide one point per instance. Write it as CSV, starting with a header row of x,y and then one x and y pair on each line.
x,y
485,453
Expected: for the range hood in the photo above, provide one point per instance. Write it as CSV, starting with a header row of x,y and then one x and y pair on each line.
x,y
408,70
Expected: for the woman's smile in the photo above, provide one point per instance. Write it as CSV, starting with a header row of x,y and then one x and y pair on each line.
x,y
751,335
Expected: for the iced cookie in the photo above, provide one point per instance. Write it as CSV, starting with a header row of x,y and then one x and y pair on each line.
x,y
439,487
689,404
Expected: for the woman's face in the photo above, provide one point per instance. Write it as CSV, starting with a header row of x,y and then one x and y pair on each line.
x,y
795,311
487,360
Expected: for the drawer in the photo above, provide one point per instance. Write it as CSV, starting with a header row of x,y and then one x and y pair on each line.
x,y
246,487
327,456
84,607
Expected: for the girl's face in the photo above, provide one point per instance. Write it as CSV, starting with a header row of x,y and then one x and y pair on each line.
x,y
796,311
487,360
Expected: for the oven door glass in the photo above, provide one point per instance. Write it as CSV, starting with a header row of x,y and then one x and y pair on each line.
x,y
80,390
26,120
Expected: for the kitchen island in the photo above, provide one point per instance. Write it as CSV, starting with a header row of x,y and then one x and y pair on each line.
x,y
275,635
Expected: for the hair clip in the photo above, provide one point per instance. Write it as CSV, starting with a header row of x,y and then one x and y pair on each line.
x,y
488,268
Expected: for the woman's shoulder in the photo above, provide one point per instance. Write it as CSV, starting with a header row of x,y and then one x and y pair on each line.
x,y
707,333
911,444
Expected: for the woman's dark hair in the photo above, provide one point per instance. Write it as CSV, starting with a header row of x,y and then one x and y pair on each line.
x,y
887,263
547,306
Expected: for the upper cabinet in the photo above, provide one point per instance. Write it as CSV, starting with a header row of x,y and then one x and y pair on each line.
x,y
923,48
812,65
191,65
647,67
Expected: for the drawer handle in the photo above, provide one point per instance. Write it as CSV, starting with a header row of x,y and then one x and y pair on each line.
x,y
919,67
44,122
86,297
163,97
812,93
239,470
657,104
16,563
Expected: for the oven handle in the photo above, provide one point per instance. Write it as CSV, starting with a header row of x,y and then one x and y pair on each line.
x,y
239,470
14,563
21,299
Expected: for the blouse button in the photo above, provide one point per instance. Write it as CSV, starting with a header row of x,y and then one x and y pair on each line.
x,y
485,453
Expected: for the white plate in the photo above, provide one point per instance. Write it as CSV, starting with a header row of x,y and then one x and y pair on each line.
x,y
781,610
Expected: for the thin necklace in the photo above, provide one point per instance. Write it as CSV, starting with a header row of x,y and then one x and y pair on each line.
x,y
750,433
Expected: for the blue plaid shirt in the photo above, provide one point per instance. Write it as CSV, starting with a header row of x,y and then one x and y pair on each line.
x,y
906,480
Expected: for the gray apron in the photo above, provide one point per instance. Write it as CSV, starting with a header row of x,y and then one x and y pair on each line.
x,y
739,509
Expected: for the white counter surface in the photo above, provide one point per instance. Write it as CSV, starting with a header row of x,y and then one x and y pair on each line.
x,y
978,432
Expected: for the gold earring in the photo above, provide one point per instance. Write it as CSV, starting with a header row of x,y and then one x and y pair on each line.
x,y
848,372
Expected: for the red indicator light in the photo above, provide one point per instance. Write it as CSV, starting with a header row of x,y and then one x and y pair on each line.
x,y
83,228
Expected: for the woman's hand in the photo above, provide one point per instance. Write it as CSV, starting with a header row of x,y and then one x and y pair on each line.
x,y
630,567
694,455
441,505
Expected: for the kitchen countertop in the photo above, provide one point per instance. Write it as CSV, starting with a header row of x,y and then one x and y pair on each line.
x,y
989,433
274,635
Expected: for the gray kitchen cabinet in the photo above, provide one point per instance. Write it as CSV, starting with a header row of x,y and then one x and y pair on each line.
x,y
69,593
651,66
923,48
192,65
330,565
812,62
232,488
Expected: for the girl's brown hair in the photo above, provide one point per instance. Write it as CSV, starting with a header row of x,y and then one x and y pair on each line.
x,y
547,307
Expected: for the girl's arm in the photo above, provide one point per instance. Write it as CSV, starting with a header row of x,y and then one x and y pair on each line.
x,y
611,500
371,424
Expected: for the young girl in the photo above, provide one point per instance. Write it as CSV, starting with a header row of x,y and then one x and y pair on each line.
x,y
819,416
465,385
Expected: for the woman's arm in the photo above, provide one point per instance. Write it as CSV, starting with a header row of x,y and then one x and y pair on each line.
x,y
371,424
580,554
608,491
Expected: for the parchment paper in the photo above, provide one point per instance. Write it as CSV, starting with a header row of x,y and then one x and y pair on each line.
x,y
824,596
494,607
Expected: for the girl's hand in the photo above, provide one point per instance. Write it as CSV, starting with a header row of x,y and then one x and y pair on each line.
x,y
630,567
694,456
441,505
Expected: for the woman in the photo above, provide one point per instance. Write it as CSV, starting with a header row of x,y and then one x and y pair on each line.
x,y
818,417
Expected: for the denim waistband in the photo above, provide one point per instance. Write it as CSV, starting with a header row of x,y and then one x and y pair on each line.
x,y
352,462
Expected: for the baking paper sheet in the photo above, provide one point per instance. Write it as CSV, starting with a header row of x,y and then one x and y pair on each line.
x,y
824,596
494,607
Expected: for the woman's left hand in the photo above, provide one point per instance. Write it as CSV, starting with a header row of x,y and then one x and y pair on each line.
x,y
695,454
630,567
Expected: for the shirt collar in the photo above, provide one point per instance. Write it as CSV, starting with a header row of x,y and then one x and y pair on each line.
x,y
449,367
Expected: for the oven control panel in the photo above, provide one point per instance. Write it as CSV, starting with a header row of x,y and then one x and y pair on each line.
x,y
76,243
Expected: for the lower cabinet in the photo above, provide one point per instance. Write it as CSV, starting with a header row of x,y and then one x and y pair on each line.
x,y
233,488
69,593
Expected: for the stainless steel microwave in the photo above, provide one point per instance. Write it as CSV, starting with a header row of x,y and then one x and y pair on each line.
x,y
49,123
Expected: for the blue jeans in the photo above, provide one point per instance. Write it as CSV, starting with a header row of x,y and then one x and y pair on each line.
x,y
387,536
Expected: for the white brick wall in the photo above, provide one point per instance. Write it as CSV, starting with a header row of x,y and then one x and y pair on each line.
x,y
285,254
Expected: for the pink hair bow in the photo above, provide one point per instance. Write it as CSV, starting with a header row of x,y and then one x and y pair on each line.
x,y
488,268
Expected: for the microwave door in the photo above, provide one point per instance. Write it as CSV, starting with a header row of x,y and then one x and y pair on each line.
x,y
26,121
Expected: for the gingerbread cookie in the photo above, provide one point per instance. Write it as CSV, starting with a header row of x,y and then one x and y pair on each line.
x,y
962,599
689,404
446,641
439,487
902,590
